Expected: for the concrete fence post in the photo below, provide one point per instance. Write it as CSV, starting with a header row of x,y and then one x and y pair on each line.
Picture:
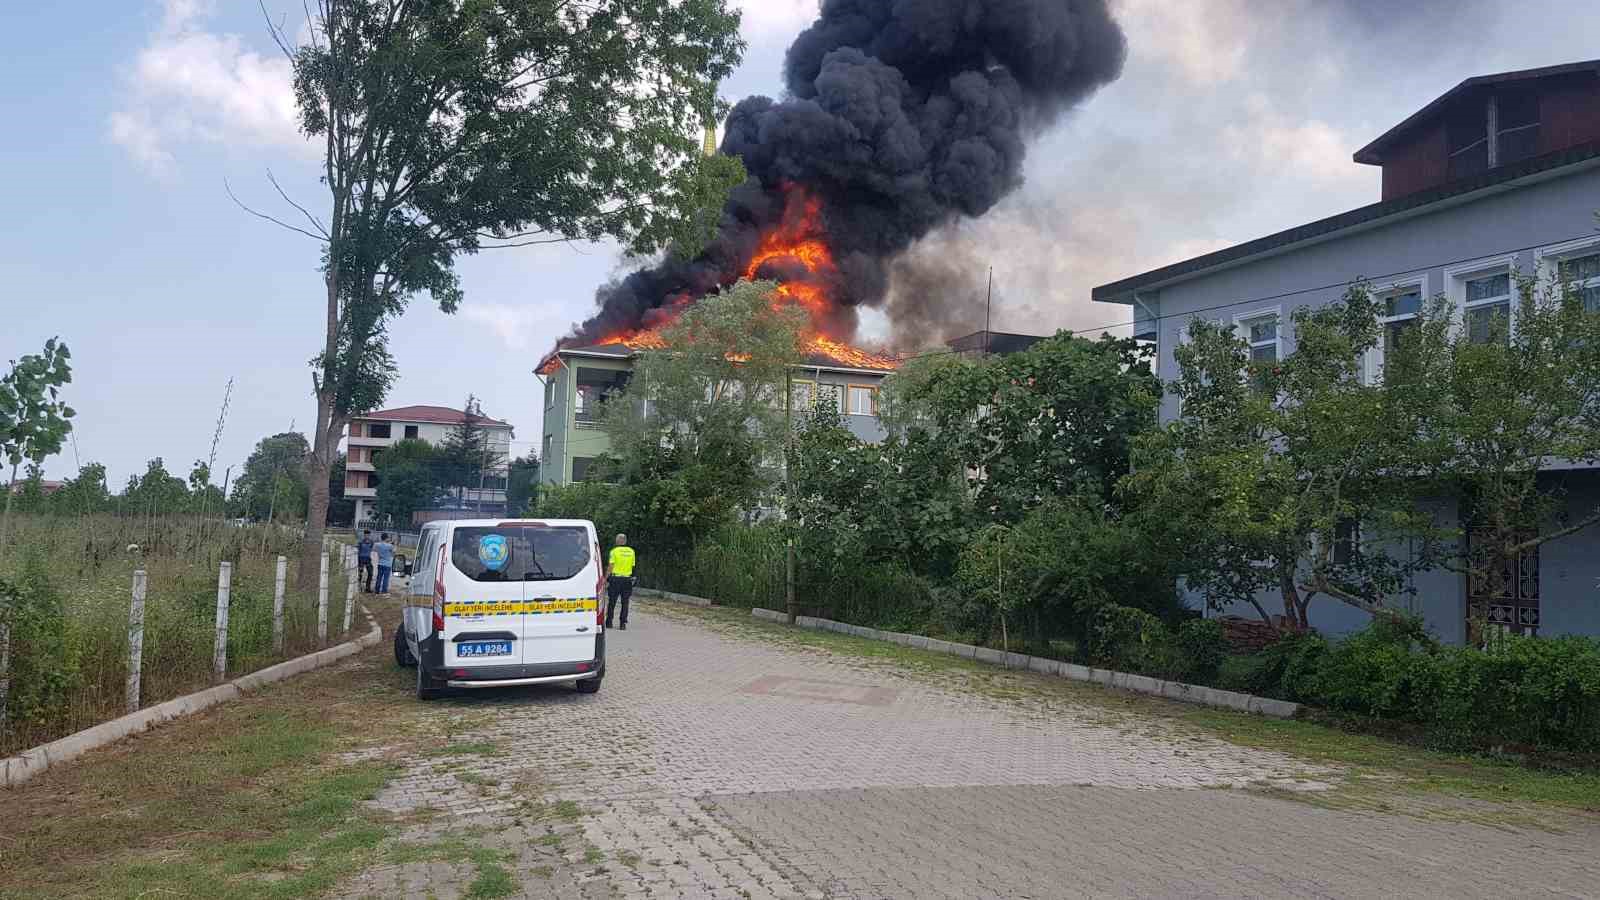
x,y
136,639
277,604
322,603
349,586
219,659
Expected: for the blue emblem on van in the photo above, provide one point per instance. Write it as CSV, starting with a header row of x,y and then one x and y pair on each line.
x,y
493,552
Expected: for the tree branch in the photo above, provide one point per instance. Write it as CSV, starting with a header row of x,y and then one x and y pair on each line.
x,y
303,211
320,238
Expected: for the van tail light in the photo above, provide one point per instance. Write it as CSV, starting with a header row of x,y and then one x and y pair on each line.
x,y
438,595
599,588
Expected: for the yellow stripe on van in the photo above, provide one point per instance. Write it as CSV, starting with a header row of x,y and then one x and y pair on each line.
x,y
517,607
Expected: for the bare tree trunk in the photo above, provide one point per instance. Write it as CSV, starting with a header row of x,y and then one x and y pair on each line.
x,y
1293,610
318,466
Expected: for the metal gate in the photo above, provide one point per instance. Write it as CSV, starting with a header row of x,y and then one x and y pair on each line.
x,y
1502,594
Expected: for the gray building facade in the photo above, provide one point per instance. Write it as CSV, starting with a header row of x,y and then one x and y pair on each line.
x,y
1457,229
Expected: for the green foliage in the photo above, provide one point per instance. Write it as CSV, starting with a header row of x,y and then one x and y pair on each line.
x,y
156,492
451,128
1201,647
1269,460
409,479
916,514
87,493
33,419
274,479
693,432
1052,421
522,484
45,664
1494,405
1054,570
467,456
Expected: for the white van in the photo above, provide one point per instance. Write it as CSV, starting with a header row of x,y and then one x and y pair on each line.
x,y
496,603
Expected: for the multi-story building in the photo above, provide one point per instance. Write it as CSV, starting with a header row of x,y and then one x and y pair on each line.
x,y
1501,174
371,433
577,379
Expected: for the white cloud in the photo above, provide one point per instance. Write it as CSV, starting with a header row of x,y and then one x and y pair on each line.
x,y
515,326
188,84
766,18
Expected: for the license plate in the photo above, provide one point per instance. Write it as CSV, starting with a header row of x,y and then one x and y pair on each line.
x,y
483,648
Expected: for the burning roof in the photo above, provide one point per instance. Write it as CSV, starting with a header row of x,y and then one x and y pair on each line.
x,y
899,118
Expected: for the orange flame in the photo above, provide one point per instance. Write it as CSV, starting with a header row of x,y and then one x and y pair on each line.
x,y
800,238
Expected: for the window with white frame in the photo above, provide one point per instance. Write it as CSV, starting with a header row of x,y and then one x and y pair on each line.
x,y
800,394
1583,274
863,400
1487,306
1398,311
1260,331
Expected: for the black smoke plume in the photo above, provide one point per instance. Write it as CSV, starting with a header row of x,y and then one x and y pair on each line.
x,y
900,116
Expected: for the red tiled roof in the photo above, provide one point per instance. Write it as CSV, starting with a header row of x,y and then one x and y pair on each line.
x,y
442,415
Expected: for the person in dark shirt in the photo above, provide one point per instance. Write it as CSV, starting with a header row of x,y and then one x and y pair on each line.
x,y
364,561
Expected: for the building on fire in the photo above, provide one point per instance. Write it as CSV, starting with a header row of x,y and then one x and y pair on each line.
x,y
578,379
1501,174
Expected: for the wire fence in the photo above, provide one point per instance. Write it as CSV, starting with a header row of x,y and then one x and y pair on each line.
x,y
102,614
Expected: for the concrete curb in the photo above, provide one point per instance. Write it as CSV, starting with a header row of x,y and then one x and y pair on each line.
x,y
658,594
30,763
1139,684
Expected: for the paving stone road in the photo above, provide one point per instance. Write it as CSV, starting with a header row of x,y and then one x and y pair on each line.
x,y
718,765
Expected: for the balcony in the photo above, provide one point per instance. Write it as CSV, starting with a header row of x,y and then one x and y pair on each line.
x,y
360,491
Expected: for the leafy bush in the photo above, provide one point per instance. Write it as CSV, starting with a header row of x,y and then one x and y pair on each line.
x,y
1199,644
1122,637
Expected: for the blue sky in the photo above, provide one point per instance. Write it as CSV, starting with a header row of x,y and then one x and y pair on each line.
x,y
1233,119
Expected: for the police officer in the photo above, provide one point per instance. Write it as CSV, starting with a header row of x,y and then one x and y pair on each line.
x,y
619,580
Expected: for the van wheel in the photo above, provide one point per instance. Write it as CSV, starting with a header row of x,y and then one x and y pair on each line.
x,y
591,686
427,688
402,650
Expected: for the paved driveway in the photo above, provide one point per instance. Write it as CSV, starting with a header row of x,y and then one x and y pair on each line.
x,y
717,765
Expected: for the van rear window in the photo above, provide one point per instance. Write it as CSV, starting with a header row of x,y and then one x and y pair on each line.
x,y
520,552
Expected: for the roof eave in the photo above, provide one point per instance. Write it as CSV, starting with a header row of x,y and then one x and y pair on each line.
x,y
1362,218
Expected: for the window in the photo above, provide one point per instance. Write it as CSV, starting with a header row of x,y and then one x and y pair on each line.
x,y
580,468
378,429
800,394
1467,138
1346,542
411,432
1260,332
1398,309
586,409
1583,273
863,400
831,395
1488,307
520,552
549,391
547,441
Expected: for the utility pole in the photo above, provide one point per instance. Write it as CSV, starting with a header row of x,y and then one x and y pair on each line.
x,y
988,303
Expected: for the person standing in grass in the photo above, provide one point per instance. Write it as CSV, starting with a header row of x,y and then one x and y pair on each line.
x,y
619,580
385,553
364,561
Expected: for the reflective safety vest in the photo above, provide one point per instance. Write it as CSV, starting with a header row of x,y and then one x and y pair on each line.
x,y
622,561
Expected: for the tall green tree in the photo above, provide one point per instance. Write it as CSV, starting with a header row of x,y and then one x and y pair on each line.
x,y
522,484
452,127
156,492
468,458
1292,477
83,494
273,481
1495,407
34,420
701,426
1055,420
410,478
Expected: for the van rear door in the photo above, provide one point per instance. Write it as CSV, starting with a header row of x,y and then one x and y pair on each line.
x,y
555,572
483,599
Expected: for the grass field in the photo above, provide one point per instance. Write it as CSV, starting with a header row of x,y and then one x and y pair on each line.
x,y
71,586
